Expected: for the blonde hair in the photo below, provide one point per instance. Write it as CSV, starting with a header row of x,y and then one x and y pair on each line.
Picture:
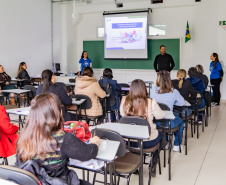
x,y
199,68
181,75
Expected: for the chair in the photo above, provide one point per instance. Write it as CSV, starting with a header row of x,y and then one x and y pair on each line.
x,y
170,132
197,111
31,94
184,110
62,85
1,99
72,80
18,175
86,105
123,93
148,151
126,163
5,160
207,98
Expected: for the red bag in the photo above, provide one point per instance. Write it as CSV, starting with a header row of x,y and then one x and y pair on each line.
x,y
81,130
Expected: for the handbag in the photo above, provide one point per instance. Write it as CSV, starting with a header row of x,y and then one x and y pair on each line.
x,y
80,130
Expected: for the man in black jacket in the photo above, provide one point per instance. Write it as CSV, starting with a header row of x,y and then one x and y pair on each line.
x,y
163,61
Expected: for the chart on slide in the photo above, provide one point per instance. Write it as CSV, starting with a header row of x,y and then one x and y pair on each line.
x,y
126,32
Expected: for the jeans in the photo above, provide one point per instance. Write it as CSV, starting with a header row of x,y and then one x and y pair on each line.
x,y
174,123
199,107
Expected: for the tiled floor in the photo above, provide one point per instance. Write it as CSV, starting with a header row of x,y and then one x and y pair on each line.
x,y
205,163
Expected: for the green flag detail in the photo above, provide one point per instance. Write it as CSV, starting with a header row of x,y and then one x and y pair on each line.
x,y
188,36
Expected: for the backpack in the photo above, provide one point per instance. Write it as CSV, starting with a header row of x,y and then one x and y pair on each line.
x,y
107,87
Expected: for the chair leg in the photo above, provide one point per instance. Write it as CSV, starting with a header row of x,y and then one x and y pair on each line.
x,y
5,161
128,180
203,118
159,162
94,177
118,180
179,140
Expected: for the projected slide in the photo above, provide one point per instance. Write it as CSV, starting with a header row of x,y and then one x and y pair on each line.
x,y
126,32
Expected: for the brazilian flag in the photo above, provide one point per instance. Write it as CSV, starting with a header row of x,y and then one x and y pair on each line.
x,y
188,36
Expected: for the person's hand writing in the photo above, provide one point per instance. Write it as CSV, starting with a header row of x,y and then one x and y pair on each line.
x,y
95,140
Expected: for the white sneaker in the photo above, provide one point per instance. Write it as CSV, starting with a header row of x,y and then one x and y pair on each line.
x,y
199,122
177,149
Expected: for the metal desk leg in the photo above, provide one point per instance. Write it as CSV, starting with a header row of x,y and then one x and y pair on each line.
x,y
141,166
170,146
18,99
105,173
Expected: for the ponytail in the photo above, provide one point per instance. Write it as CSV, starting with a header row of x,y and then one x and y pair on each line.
x,y
181,74
46,79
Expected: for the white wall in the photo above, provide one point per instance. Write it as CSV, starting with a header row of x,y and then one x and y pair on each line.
x,y
25,35
207,36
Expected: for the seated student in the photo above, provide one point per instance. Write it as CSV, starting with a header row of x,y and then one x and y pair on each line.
x,y
137,103
89,86
49,147
196,83
200,74
164,92
48,79
23,74
107,78
185,88
8,135
5,78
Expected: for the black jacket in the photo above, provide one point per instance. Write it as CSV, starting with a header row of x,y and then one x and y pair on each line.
x,y
204,78
62,94
164,62
24,75
186,90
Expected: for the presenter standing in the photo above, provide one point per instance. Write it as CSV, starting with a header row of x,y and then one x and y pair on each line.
x,y
85,61
216,78
163,61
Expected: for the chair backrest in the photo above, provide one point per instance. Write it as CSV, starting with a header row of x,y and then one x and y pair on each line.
x,y
87,104
17,175
72,80
135,121
124,85
163,106
1,99
32,89
111,135
62,85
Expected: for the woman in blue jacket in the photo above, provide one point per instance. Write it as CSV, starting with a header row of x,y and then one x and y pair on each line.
x,y
216,77
107,78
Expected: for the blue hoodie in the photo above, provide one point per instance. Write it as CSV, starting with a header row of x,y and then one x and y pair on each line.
x,y
198,84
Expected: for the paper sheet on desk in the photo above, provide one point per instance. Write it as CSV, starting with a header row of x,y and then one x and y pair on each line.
x,y
91,164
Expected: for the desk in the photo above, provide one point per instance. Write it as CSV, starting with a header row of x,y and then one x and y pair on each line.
x,y
37,79
125,88
107,155
20,112
17,92
18,81
137,132
79,105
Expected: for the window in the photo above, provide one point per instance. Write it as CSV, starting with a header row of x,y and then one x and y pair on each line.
x,y
100,32
156,29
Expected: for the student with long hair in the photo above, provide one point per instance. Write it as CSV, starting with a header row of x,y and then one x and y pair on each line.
x,y
201,75
216,78
43,141
164,92
108,78
23,74
48,85
137,103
